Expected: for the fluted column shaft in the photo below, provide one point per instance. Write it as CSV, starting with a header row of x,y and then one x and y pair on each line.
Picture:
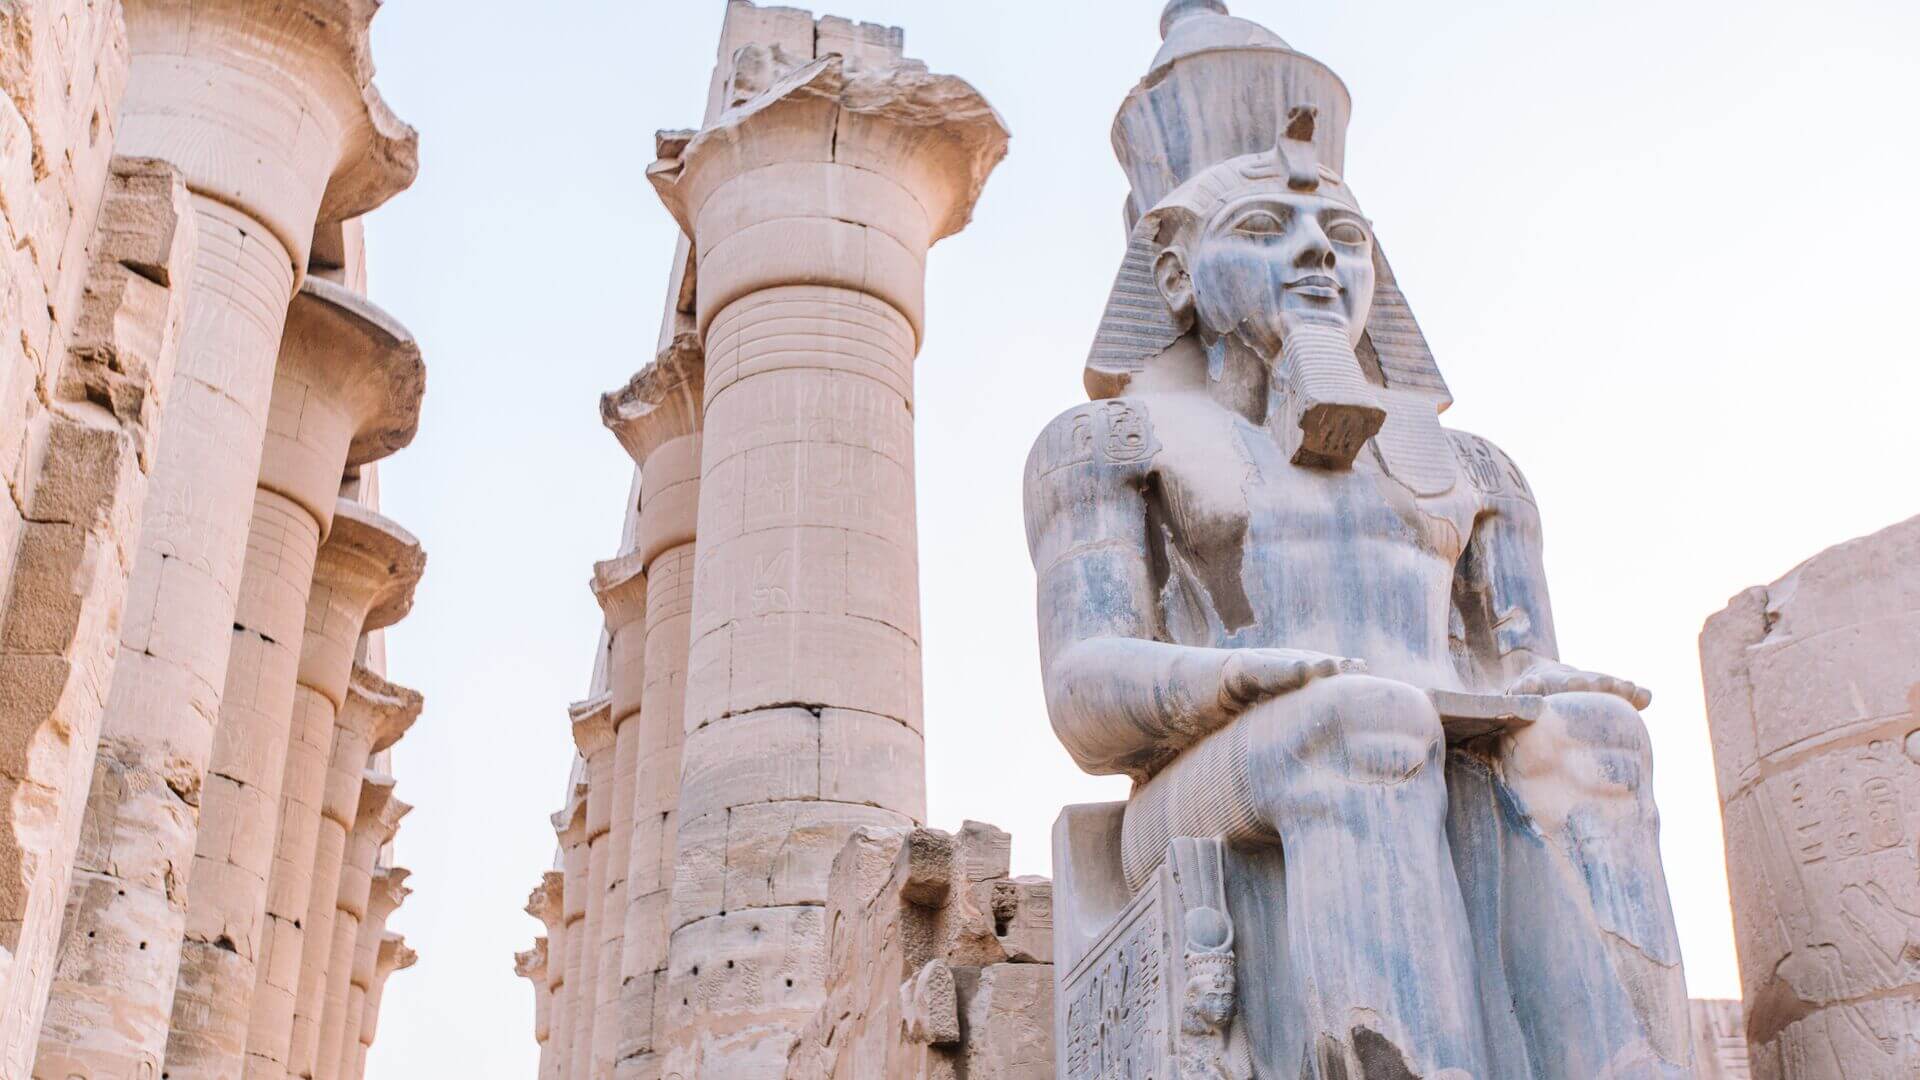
x,y
367,586
345,392
379,815
268,119
811,207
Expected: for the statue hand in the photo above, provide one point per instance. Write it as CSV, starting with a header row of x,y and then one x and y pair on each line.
x,y
1557,678
1251,676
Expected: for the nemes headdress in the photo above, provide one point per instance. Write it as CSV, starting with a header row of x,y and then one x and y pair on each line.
x,y
1225,102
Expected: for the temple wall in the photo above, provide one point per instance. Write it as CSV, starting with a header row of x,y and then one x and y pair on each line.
x,y
1813,697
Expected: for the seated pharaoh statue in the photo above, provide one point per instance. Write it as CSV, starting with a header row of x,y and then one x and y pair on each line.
x,y
1378,829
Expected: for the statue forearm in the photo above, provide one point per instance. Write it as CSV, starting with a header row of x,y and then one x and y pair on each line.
x,y
1118,704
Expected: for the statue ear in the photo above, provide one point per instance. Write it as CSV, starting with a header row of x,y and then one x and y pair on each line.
x,y
1176,285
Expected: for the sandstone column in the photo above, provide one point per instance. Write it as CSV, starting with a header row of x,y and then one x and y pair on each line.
x,y
656,417
532,966
387,894
1813,696
571,824
394,956
593,735
347,391
620,585
269,113
364,581
546,904
812,203
379,815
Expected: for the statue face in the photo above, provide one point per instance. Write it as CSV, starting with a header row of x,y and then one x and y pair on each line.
x,y
1269,257
1210,998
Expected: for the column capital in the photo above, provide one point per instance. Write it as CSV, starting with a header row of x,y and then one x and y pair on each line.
x,y
862,168
592,722
532,964
383,710
379,812
389,891
662,402
570,824
620,585
546,901
394,955
371,552
346,391
267,107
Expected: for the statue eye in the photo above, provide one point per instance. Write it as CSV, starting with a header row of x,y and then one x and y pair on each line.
x,y
1348,233
1260,223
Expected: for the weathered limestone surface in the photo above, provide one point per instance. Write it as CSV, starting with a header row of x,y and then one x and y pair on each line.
x,y
593,737
1813,696
532,966
76,469
394,955
546,904
347,391
811,200
938,963
379,816
268,112
386,894
1303,615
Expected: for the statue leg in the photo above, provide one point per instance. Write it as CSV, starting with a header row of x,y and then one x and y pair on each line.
x,y
1557,843
1347,772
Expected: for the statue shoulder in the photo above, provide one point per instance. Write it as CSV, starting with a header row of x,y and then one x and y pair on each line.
x,y
1488,468
1113,436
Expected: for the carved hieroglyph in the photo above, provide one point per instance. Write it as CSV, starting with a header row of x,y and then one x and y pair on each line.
x,y
1813,695
1312,623
811,200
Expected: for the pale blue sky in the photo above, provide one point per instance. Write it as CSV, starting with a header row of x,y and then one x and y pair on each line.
x,y
1663,251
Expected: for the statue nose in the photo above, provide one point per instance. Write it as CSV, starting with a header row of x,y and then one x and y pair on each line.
x,y
1315,255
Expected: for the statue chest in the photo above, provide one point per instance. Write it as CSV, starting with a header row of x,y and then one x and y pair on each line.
x,y
1251,549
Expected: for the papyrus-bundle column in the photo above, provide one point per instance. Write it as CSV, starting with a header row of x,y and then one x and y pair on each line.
x,y
365,580
393,956
363,1002
656,417
379,815
532,966
593,736
268,113
812,203
570,825
546,904
347,391
620,585
1813,698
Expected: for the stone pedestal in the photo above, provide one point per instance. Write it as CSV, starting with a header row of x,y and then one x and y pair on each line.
x,y
379,815
268,113
1813,695
657,418
347,391
812,202
364,581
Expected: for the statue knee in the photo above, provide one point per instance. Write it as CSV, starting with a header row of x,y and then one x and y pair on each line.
x,y
1596,741
1366,729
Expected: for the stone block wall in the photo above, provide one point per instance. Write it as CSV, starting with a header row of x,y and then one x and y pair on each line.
x,y
938,962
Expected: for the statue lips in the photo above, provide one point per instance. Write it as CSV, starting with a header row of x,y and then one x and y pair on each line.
x,y
1317,286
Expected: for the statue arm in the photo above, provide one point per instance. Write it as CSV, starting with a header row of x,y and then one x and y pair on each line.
x,y
1122,699
1500,590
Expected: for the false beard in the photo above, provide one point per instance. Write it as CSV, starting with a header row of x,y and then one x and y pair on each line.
x,y
1328,409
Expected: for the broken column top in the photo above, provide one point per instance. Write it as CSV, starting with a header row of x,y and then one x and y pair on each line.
x,y
662,402
367,542
393,708
394,954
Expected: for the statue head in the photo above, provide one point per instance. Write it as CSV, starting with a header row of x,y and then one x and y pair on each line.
x,y
1258,245
1212,997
